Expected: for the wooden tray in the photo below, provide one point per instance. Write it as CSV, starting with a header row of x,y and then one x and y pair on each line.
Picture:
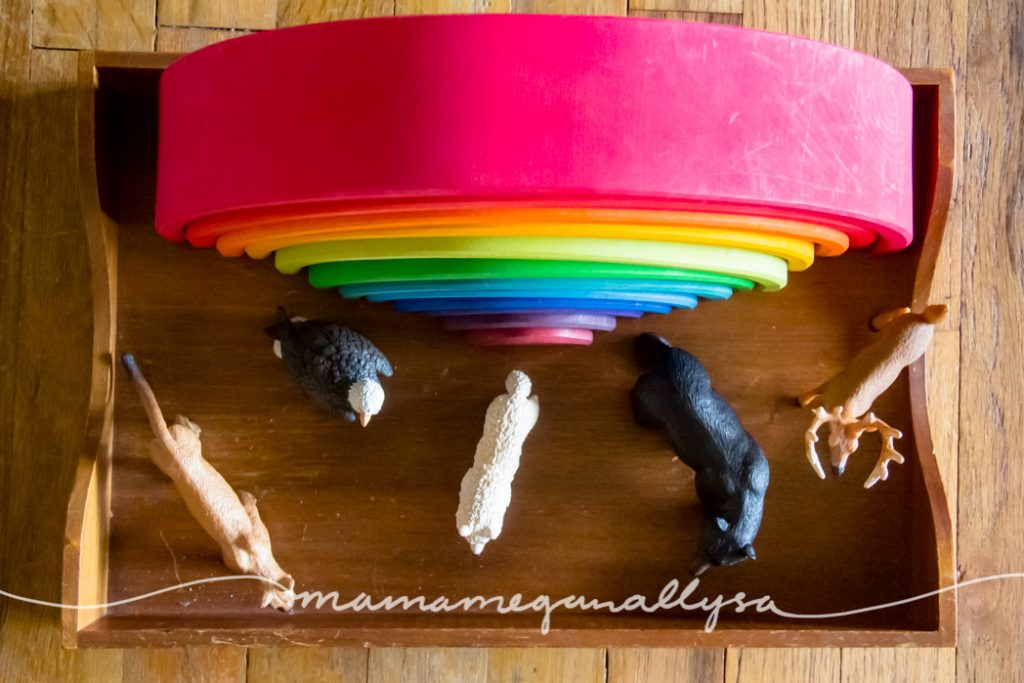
x,y
600,507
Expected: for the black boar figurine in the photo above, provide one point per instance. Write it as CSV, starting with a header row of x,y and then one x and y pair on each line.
x,y
674,394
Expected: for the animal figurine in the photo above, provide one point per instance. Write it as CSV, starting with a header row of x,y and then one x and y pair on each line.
x,y
674,394
336,367
231,519
847,398
487,486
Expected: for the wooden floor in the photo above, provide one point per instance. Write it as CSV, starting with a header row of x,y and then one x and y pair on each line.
x,y
975,378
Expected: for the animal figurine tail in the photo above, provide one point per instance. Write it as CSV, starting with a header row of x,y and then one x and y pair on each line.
x,y
156,417
231,519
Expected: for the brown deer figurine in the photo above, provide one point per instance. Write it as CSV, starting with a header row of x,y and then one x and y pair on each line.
x,y
846,399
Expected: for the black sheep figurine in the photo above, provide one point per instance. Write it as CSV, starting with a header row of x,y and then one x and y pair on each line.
x,y
333,365
674,394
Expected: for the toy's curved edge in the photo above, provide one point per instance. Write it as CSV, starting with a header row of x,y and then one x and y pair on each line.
x,y
85,536
942,184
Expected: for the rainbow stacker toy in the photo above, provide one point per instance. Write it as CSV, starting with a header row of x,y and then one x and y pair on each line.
x,y
374,155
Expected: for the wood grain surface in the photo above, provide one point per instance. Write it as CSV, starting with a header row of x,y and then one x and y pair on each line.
x,y
974,379
387,502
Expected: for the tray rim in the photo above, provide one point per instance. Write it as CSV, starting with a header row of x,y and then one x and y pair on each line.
x,y
85,579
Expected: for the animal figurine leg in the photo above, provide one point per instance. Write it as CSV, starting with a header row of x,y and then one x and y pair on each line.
x,y
881,320
648,391
281,596
808,397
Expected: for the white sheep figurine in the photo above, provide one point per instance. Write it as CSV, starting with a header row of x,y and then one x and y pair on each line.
x,y
487,487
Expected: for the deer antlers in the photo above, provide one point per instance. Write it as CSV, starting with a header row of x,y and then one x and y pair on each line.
x,y
847,397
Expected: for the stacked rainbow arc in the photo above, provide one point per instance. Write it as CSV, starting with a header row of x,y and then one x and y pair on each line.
x,y
528,179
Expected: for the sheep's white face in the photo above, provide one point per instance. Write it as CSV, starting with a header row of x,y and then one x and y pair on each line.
x,y
366,397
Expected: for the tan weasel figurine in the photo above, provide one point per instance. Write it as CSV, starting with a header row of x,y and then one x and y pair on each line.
x,y
847,398
231,520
